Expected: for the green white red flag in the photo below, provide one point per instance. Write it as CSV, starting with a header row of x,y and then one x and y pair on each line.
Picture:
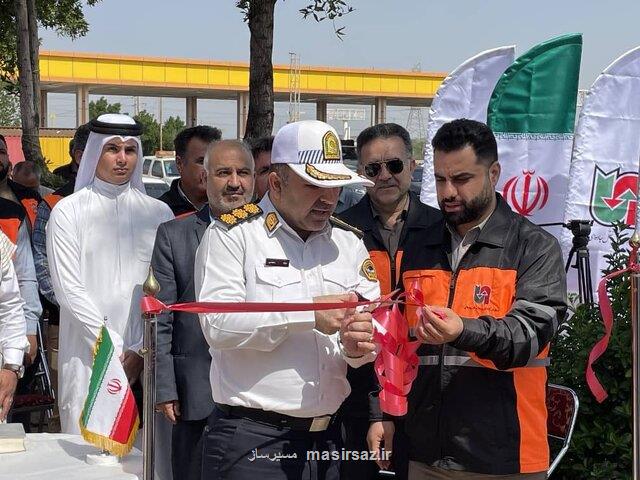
x,y
532,113
109,418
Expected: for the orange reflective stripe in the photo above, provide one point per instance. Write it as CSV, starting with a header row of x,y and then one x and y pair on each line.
x,y
434,285
9,227
383,269
52,199
31,206
399,254
530,385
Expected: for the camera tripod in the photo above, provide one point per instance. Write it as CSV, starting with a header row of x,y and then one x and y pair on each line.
x,y
581,229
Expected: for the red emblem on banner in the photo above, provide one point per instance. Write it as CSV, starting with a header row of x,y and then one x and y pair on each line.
x,y
114,386
531,197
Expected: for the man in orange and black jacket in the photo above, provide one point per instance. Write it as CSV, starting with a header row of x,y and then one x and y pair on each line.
x,y
388,216
495,288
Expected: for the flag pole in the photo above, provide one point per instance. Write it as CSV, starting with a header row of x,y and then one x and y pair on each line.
x,y
148,352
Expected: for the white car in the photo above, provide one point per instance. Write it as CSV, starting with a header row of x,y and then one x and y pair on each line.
x,y
154,186
163,168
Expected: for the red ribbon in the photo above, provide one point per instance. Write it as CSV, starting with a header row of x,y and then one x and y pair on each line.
x,y
606,311
395,366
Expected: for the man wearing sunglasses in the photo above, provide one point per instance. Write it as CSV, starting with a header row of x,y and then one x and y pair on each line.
x,y
388,215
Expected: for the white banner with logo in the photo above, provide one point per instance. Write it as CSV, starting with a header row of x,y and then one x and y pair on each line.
x,y
465,93
604,169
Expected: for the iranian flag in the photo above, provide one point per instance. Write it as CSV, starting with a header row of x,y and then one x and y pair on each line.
x,y
109,417
532,113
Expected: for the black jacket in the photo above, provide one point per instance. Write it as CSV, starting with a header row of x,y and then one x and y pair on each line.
x,y
69,171
420,218
175,201
182,357
478,403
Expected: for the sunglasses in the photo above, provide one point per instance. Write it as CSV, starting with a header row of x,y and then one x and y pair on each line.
x,y
394,166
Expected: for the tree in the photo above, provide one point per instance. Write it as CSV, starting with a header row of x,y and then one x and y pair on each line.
x,y
259,16
102,106
19,53
172,126
151,137
9,109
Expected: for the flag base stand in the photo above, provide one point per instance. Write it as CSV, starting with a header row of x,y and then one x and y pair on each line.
x,y
104,459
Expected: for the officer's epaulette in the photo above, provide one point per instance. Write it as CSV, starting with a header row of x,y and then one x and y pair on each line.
x,y
336,222
240,214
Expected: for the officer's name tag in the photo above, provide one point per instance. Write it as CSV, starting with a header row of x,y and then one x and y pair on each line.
x,y
276,262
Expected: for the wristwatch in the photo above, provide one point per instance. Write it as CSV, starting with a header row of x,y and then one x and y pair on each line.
x,y
15,368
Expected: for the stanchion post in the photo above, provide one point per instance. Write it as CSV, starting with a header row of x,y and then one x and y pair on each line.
x,y
635,331
148,352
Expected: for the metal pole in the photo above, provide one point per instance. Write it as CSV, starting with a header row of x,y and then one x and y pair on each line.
x,y
148,352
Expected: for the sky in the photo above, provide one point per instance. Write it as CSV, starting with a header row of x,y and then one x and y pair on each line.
x,y
380,34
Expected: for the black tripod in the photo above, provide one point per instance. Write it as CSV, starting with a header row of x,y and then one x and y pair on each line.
x,y
581,229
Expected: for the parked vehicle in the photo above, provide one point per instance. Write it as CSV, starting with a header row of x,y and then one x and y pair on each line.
x,y
160,166
154,186
416,180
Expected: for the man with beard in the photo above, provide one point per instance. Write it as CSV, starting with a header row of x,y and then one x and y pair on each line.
x,y
278,378
495,290
389,215
188,193
183,391
99,245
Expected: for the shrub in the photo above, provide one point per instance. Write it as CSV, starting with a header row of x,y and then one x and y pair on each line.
x,y
602,441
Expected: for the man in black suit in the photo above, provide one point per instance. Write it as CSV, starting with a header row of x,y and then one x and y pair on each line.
x,y
183,390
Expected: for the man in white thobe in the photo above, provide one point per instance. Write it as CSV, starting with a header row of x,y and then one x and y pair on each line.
x,y
99,245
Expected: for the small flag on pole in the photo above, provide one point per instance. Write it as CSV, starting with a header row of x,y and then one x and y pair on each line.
x,y
109,417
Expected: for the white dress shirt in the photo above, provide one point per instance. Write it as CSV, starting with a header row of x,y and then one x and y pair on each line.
x,y
13,340
277,361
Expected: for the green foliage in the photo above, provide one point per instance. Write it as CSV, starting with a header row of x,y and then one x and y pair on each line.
x,y
151,136
9,109
172,126
318,9
64,16
102,106
602,441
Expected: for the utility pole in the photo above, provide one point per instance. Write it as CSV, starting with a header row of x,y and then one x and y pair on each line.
x,y
294,87
160,115
415,121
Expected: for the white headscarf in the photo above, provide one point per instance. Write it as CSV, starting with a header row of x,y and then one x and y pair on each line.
x,y
93,150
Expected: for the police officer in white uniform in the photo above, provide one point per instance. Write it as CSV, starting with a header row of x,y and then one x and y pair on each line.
x,y
278,378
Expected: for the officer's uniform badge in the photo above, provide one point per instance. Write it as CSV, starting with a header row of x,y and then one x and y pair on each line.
x,y
368,269
240,214
271,221
330,146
